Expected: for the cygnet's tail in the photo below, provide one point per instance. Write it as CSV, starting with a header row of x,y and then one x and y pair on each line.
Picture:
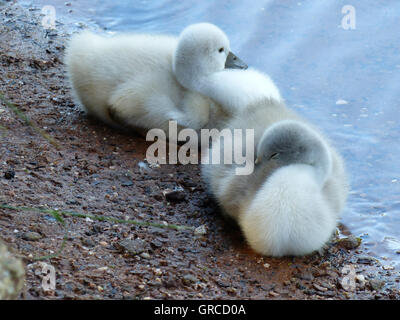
x,y
289,214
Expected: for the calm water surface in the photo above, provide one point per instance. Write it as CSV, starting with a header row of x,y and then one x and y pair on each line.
x,y
345,81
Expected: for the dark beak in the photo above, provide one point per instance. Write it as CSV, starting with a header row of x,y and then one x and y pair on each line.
x,y
233,62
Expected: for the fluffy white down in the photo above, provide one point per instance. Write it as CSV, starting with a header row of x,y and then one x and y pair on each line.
x,y
236,89
288,215
287,206
130,76
144,81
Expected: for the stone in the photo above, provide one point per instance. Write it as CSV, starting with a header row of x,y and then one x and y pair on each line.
x,y
31,236
175,195
12,274
349,243
133,247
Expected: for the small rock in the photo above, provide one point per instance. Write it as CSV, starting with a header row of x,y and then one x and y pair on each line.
x,y
232,290
366,260
349,243
157,271
305,276
376,284
163,263
360,279
9,174
273,294
175,195
102,269
170,283
199,231
155,244
88,242
222,284
92,169
145,255
127,183
300,286
319,288
133,247
188,279
12,274
388,267
31,236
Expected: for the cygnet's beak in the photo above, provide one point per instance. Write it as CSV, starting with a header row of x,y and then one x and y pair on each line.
x,y
233,62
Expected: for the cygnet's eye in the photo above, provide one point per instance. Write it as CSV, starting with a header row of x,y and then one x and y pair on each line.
x,y
221,50
274,155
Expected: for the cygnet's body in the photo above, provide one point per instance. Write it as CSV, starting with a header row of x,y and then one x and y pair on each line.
x,y
144,81
290,204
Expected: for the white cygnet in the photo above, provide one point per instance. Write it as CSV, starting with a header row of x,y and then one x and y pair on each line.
x,y
291,202
144,81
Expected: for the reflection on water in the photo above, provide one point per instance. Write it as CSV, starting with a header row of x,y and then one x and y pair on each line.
x,y
345,81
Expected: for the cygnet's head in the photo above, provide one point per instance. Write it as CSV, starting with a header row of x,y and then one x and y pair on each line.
x,y
202,50
291,142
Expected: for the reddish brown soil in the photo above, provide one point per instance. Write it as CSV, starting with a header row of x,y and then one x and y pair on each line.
x,y
93,169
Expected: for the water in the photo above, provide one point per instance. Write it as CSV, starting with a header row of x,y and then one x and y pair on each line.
x,y
345,81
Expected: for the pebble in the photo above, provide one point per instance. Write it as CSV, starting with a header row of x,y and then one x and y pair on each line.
x,y
273,294
156,244
145,255
388,267
305,276
361,280
349,243
102,269
376,284
88,242
103,243
188,278
9,174
31,236
366,260
127,183
231,290
319,288
133,247
199,231
175,195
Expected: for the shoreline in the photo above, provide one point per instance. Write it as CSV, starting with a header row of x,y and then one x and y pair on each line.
x,y
93,169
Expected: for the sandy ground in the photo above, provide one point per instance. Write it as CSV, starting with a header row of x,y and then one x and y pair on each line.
x,y
53,157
